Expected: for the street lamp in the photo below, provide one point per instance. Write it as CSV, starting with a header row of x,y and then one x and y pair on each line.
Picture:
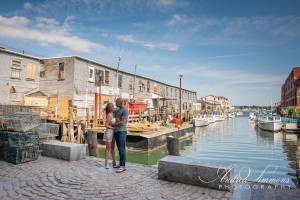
x,y
180,96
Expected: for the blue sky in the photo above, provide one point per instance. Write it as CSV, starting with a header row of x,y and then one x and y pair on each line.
x,y
242,50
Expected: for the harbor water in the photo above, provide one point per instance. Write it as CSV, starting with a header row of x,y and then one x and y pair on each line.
x,y
257,155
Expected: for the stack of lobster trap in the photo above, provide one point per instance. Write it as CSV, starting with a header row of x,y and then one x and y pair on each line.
x,y
20,136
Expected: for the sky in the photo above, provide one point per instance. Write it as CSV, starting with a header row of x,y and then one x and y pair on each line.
x,y
243,50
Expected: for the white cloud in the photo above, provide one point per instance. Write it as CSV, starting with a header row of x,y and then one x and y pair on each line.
x,y
149,45
28,5
177,19
227,76
17,21
47,21
254,26
17,28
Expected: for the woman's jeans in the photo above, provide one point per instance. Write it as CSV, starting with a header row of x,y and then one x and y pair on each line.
x,y
120,138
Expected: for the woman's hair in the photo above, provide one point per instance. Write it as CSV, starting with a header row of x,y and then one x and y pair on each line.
x,y
107,108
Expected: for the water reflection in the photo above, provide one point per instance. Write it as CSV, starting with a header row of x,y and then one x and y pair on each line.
x,y
268,137
254,152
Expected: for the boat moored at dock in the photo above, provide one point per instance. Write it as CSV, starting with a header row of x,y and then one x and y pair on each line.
x,y
200,120
270,123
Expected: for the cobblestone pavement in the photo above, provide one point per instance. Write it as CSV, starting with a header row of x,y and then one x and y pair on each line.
x,y
49,178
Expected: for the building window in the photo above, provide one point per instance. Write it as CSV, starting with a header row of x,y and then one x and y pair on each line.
x,y
106,78
120,78
30,71
91,74
175,92
130,87
15,69
42,74
12,89
148,86
99,76
167,91
140,85
155,88
61,71
171,92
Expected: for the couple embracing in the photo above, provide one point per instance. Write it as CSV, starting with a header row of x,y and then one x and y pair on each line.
x,y
116,131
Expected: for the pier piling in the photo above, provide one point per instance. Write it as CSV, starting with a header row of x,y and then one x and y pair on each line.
x,y
173,146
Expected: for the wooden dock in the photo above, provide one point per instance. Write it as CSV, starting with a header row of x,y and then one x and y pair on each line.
x,y
149,141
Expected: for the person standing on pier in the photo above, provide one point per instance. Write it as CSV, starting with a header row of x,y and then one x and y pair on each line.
x,y
120,133
108,136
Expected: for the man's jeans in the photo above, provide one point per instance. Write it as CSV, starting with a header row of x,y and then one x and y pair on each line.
x,y
120,138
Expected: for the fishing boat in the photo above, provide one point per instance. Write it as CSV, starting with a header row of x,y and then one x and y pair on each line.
x,y
218,117
200,120
270,123
211,119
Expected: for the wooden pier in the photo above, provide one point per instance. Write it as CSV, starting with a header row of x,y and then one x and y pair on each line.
x,y
149,141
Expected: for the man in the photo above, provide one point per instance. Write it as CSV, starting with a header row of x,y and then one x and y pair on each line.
x,y
121,115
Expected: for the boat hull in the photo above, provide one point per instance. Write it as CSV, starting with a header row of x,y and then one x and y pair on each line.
x,y
270,126
291,128
200,122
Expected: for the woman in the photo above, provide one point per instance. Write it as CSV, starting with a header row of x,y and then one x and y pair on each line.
x,y
108,136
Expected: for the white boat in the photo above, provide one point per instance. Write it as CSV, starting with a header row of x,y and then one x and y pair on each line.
x,y
270,123
291,128
200,121
239,114
251,116
259,116
218,117
211,119
230,115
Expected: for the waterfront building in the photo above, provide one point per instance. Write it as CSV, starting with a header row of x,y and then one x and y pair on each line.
x,y
212,103
290,92
20,76
73,81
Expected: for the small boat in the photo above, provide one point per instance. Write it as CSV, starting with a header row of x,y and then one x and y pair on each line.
x,y
239,114
230,115
200,120
218,117
251,116
211,119
291,125
291,128
270,123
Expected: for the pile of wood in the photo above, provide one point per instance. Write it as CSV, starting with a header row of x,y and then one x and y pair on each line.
x,y
144,127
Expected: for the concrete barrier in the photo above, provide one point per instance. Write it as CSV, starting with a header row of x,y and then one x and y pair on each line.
x,y
209,174
63,150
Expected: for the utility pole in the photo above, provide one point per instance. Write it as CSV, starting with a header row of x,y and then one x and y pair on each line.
x,y
180,96
117,74
100,103
134,82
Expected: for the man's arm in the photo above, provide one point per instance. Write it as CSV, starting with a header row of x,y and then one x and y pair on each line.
x,y
120,123
123,120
